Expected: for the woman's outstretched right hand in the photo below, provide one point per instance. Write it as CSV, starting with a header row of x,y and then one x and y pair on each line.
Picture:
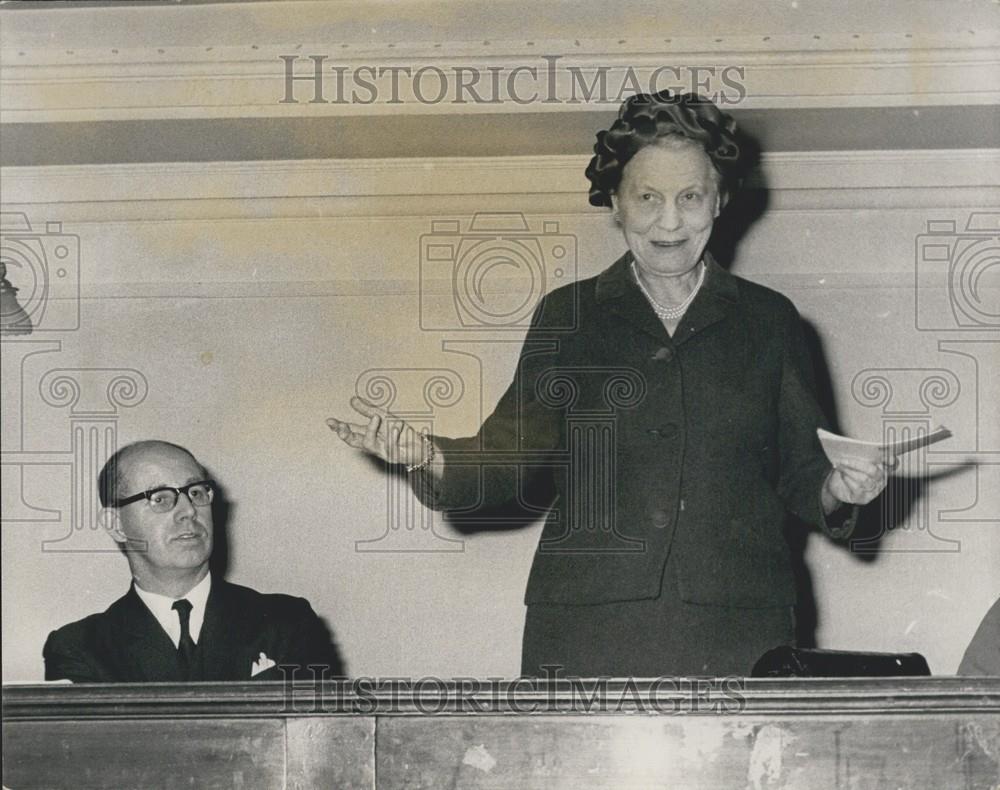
x,y
388,437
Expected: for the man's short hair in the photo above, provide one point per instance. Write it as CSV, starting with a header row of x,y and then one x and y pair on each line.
x,y
111,483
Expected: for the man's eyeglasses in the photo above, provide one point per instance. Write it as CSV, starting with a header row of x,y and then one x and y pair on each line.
x,y
164,498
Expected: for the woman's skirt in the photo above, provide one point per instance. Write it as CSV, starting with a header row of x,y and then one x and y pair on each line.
x,y
664,636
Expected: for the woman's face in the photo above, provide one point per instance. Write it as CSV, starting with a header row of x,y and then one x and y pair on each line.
x,y
666,204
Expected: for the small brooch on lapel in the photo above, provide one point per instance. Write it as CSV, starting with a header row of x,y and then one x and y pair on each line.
x,y
260,665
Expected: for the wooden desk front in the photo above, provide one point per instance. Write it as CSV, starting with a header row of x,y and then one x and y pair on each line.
x,y
926,733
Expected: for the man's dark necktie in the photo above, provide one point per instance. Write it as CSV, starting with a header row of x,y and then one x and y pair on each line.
x,y
185,648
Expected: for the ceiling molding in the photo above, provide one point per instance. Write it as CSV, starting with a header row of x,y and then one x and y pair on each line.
x,y
472,26
44,85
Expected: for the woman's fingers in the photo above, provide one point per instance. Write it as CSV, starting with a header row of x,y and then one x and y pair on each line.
x,y
859,481
860,466
350,434
381,432
366,409
869,476
371,434
844,488
855,478
392,449
383,435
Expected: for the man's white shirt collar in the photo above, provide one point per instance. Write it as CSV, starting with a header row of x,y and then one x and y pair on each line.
x,y
162,608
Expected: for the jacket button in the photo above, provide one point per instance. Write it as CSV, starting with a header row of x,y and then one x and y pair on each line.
x,y
664,354
667,431
660,518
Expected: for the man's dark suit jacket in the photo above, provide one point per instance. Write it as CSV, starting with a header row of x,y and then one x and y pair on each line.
x,y
126,644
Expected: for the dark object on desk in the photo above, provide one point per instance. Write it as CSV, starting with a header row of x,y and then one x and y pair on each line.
x,y
786,661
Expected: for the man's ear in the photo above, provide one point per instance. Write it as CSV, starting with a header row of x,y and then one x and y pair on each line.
x,y
615,215
108,518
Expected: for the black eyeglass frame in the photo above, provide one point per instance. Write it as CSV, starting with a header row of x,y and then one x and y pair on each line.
x,y
178,490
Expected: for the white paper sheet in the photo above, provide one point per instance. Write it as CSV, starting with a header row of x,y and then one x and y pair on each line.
x,y
842,448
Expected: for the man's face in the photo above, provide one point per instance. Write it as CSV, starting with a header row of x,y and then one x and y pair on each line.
x,y
169,544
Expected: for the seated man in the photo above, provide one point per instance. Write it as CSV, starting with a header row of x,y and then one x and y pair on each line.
x,y
177,623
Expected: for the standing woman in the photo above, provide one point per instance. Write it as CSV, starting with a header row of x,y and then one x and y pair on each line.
x,y
663,551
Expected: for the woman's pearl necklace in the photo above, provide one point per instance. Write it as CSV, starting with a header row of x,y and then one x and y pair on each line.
x,y
677,311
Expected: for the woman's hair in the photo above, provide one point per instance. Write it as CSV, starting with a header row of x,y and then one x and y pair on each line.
x,y
645,118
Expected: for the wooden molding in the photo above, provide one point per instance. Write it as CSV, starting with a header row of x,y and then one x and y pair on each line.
x,y
426,187
396,696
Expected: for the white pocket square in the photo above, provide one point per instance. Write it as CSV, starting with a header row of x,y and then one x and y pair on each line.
x,y
261,664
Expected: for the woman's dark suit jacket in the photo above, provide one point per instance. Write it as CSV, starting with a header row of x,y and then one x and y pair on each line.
x,y
647,445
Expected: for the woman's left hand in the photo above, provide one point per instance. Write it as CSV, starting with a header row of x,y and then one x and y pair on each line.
x,y
856,482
